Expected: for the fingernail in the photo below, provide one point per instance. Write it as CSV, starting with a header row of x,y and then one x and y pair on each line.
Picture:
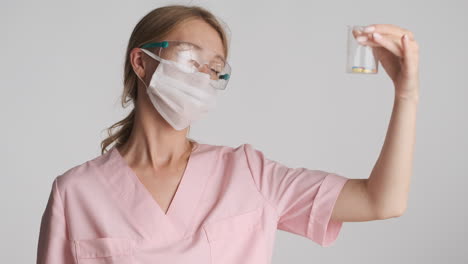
x,y
376,35
361,38
369,29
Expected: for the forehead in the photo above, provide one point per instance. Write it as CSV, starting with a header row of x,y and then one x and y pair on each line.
x,y
200,33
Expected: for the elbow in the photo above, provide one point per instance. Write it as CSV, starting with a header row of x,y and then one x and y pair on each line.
x,y
391,213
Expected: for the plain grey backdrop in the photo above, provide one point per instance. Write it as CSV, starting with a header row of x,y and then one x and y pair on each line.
x,y
289,96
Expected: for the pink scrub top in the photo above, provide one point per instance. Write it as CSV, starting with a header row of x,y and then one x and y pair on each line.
x,y
226,210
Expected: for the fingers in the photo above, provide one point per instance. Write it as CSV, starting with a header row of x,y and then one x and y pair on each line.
x,y
356,33
387,43
391,38
381,41
389,29
364,40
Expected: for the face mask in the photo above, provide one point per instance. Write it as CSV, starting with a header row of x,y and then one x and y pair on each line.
x,y
180,95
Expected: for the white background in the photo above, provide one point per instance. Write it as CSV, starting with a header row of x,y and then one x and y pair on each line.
x,y
61,77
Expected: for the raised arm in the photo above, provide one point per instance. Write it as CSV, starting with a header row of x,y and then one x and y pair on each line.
x,y
385,193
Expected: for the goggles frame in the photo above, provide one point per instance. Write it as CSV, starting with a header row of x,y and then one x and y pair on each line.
x,y
166,43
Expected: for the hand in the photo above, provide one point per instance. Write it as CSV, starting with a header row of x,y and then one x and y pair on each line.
x,y
398,56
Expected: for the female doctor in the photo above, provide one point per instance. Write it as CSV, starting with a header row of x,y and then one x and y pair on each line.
x,y
159,197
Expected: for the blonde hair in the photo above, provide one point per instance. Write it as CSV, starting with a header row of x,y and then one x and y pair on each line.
x,y
154,26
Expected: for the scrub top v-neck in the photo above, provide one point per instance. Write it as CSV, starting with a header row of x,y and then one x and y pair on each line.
x,y
181,208
227,207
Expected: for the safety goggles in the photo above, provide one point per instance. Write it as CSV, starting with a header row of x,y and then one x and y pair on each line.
x,y
192,58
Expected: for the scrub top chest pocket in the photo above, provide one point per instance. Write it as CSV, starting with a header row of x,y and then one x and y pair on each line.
x,y
104,250
237,239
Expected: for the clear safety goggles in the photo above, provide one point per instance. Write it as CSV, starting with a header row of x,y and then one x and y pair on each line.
x,y
192,58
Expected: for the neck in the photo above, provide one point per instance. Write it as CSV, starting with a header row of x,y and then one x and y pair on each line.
x,y
153,142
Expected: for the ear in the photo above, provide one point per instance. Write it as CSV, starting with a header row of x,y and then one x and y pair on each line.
x,y
138,64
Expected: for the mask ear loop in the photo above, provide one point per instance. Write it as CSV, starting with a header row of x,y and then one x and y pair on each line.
x,y
138,76
151,55
155,57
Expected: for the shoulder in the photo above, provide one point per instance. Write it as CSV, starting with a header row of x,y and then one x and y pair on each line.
x,y
240,150
242,156
83,173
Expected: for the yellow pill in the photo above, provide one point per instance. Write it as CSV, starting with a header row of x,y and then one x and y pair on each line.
x,y
357,69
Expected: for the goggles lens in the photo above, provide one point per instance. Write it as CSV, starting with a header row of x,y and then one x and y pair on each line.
x,y
194,58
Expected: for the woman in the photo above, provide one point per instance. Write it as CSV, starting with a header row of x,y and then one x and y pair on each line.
x,y
158,197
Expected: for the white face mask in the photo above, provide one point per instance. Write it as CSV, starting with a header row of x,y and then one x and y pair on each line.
x,y
178,94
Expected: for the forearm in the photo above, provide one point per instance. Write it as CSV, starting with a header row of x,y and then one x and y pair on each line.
x,y
388,184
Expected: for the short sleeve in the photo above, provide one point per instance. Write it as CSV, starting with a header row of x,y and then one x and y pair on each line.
x,y
53,246
303,198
